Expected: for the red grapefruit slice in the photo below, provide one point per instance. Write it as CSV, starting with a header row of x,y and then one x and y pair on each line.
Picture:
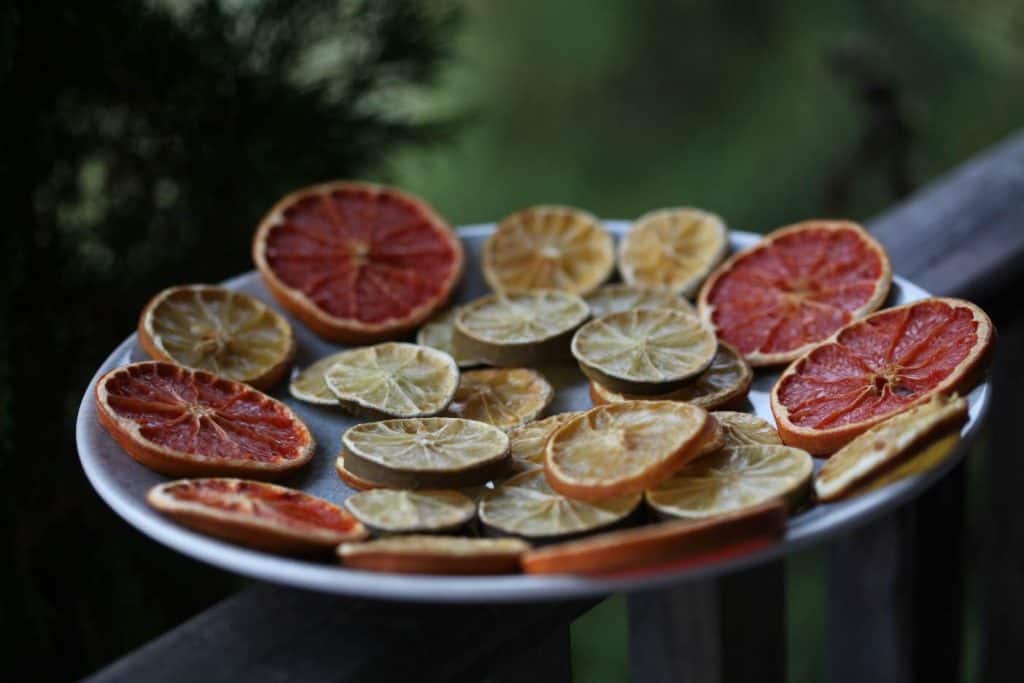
x,y
795,288
357,263
877,367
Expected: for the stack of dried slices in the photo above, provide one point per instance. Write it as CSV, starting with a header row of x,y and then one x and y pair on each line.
x,y
458,469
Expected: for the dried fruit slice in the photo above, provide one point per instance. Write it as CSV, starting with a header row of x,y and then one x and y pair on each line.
x,y
795,288
309,384
519,329
438,332
426,453
889,444
918,462
527,506
527,443
228,333
621,297
402,512
355,262
418,554
744,429
877,367
673,249
548,247
659,543
505,398
256,514
393,379
353,481
184,423
725,383
625,448
644,351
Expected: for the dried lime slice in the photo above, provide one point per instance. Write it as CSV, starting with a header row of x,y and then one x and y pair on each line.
x,y
505,398
309,384
744,429
438,332
526,443
622,297
422,554
385,511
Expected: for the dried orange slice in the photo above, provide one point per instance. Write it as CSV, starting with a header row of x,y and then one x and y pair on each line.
x,y
438,332
309,384
877,367
353,481
889,444
184,423
548,247
644,351
527,443
621,297
519,329
393,379
228,333
386,511
419,554
356,262
256,514
795,288
673,249
503,397
625,448
744,429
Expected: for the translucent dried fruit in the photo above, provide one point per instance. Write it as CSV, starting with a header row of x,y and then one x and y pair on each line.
x,y
505,398
622,297
403,512
527,443
439,332
309,384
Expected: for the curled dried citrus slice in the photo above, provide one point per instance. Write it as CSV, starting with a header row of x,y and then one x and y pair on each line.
x,y
744,429
548,247
795,288
355,262
393,379
353,481
621,297
438,333
645,351
309,384
725,382
526,443
519,329
889,444
402,512
673,249
432,452
505,398
624,448
256,514
877,367
184,423
527,506
419,554
228,333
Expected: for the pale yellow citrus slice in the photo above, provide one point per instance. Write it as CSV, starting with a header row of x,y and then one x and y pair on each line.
x,y
309,384
386,511
744,429
503,397
925,459
673,249
424,554
519,329
230,334
438,333
548,247
644,351
526,443
393,379
622,297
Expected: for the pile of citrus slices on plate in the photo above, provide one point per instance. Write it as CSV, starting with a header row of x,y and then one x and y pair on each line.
x,y
458,464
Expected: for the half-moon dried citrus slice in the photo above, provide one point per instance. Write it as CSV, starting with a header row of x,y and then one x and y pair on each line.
x,y
795,288
624,448
386,511
309,384
426,453
673,249
744,429
877,367
644,351
621,297
519,329
423,554
438,332
725,383
355,262
393,379
183,423
256,514
921,460
228,333
503,397
353,481
527,506
548,247
527,443
889,444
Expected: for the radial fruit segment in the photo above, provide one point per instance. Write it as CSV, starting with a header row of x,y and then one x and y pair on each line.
x,y
390,511
439,332
526,443
309,384
505,398
621,297
795,288
183,422
421,554
356,262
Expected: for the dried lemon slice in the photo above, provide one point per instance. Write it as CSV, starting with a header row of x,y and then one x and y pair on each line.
x,y
673,249
228,333
744,429
419,554
527,506
888,444
621,297
426,453
624,448
353,481
393,379
519,329
505,398
309,384
646,351
548,247
438,332
386,511
526,443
